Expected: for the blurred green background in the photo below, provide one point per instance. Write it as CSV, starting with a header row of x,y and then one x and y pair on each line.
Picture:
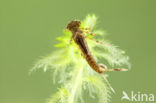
x,y
28,29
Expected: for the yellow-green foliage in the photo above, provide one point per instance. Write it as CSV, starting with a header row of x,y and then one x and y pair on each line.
x,y
71,70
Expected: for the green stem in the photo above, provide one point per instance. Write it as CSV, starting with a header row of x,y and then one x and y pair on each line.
x,y
76,84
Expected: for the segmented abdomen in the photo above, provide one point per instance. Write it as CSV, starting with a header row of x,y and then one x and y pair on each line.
x,y
91,61
81,42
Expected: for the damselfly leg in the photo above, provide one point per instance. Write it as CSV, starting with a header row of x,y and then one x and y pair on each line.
x,y
87,30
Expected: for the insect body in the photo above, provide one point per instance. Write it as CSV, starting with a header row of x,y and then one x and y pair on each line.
x,y
79,38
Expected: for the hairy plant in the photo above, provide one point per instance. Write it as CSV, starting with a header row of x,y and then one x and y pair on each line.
x,y
71,70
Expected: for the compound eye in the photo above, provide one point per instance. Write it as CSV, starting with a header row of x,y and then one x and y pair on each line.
x,y
78,23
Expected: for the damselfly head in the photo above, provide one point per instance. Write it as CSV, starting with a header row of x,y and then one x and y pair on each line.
x,y
73,25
